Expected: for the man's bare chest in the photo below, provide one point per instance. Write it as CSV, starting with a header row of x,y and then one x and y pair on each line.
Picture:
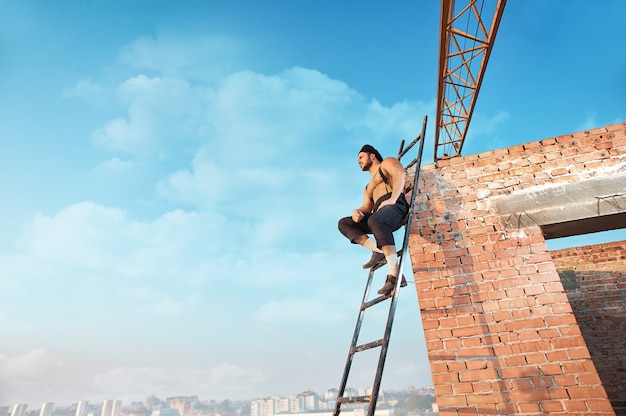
x,y
377,187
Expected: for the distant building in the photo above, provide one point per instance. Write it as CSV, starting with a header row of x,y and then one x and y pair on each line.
x,y
263,407
308,401
165,411
331,394
107,407
46,409
19,410
152,402
81,408
111,408
183,404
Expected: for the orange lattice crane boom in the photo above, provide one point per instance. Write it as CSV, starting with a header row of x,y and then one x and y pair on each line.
x,y
466,40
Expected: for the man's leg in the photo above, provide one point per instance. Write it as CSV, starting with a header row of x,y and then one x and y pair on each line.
x,y
383,223
394,270
392,259
377,254
357,234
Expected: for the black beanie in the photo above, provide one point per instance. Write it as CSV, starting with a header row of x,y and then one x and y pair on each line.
x,y
369,149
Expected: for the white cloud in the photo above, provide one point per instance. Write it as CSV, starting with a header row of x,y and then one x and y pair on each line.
x,y
163,114
206,57
83,234
28,375
29,365
91,236
204,185
88,90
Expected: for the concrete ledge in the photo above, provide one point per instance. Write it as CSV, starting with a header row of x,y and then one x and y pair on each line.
x,y
590,205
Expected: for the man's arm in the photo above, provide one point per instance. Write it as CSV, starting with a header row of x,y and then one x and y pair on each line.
x,y
394,171
366,207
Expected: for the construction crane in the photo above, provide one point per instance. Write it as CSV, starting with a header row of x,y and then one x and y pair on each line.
x,y
466,40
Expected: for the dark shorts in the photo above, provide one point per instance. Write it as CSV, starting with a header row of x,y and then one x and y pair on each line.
x,y
382,222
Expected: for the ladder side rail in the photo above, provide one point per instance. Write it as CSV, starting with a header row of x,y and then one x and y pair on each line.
x,y
355,339
403,151
396,292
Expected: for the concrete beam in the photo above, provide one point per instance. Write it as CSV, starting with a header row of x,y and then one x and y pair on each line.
x,y
590,205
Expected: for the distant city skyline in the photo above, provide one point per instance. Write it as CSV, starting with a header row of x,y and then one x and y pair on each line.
x,y
114,407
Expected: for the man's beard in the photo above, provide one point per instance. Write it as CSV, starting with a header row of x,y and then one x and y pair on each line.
x,y
367,166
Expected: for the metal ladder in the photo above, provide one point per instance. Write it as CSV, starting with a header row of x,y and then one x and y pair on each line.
x,y
393,295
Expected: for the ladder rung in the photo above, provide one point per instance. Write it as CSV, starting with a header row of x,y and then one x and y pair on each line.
x,y
355,399
368,346
376,301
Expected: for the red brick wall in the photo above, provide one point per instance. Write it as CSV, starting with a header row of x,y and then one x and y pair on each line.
x,y
594,278
500,331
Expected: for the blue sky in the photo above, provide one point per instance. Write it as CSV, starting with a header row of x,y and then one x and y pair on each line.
x,y
172,174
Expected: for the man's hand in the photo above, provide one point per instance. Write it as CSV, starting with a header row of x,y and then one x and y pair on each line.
x,y
357,215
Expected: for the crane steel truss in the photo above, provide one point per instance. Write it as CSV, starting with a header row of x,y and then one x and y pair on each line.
x,y
459,79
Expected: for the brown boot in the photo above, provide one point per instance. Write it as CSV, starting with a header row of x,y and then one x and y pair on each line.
x,y
390,284
374,260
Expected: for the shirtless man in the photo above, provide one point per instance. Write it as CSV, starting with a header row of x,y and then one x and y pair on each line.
x,y
381,213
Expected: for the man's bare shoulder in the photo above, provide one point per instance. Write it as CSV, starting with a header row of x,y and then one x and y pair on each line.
x,y
391,163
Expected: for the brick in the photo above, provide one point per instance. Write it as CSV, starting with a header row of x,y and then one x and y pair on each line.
x,y
579,353
452,400
474,375
485,398
536,358
515,361
519,372
561,308
529,395
565,380
462,388
568,342
501,350
543,381
576,406
551,369
438,367
529,408
445,411
583,392
471,410
443,378
559,320
550,406
482,387
521,384
597,405
589,379
533,290
548,333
